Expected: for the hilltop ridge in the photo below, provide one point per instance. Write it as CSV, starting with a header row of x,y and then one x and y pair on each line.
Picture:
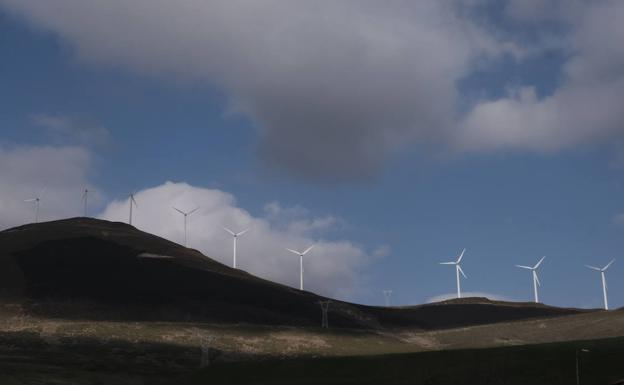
x,y
90,268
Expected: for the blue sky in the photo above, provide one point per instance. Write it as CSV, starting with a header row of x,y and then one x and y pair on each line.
x,y
468,167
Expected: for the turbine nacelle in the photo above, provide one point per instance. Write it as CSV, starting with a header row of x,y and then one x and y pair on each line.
x,y
601,269
37,201
458,270
300,254
234,234
536,281
186,214
604,281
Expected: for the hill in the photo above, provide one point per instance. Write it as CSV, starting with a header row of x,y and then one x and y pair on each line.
x,y
84,301
92,269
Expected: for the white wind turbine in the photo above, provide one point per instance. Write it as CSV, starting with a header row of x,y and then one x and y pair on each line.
x,y
186,214
387,296
85,198
132,202
235,235
37,201
536,281
458,270
300,254
604,281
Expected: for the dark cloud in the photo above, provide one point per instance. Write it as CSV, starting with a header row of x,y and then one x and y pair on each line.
x,y
334,86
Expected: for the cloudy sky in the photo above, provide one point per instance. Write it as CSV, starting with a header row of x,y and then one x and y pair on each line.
x,y
391,134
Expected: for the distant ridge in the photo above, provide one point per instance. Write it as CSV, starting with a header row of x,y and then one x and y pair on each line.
x,y
90,268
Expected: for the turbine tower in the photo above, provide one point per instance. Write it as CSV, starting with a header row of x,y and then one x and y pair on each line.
x,y
85,197
37,201
604,281
132,203
186,214
387,296
300,254
458,270
536,281
235,235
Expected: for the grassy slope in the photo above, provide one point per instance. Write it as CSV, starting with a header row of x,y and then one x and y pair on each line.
x,y
547,364
87,352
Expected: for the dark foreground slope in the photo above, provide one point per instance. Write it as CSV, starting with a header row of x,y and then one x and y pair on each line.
x,y
88,268
543,364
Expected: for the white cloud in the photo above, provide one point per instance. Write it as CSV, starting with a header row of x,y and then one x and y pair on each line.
x,y
331,268
586,108
26,170
444,297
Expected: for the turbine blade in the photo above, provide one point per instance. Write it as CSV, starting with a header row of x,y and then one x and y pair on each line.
x,y
537,278
461,256
608,264
539,263
180,211
30,200
461,271
242,232
192,211
593,268
229,231
525,267
448,263
308,249
293,251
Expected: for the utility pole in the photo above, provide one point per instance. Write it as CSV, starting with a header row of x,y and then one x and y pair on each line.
x,y
324,310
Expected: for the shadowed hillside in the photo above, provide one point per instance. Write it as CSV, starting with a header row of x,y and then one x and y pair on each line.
x,y
94,269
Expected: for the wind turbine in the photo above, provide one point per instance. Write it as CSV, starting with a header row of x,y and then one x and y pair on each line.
x,y
235,235
186,214
536,281
387,295
300,254
85,197
132,203
604,281
37,201
458,270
